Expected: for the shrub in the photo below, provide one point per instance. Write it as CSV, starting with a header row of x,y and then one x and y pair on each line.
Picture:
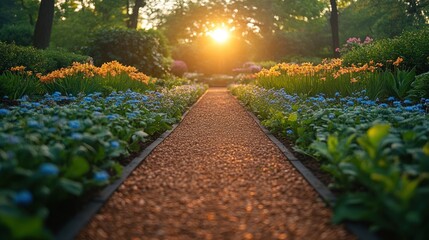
x,y
178,68
18,34
145,50
412,46
41,61
420,87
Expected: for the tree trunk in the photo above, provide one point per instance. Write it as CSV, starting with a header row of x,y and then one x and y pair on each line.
x,y
335,28
134,17
42,31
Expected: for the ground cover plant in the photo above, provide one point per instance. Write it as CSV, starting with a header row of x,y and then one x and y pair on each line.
x,y
56,148
376,150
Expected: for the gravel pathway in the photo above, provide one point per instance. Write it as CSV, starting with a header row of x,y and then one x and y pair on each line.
x,y
217,176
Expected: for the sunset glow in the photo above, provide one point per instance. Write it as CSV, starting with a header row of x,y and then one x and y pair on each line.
x,y
220,35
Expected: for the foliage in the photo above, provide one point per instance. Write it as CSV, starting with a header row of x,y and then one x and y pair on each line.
x,y
38,61
332,77
420,87
73,149
145,50
377,152
411,46
19,34
17,83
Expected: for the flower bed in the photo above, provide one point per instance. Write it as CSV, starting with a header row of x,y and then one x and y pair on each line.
x,y
54,151
377,152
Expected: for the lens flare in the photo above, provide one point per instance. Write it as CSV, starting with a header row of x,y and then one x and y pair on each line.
x,y
220,35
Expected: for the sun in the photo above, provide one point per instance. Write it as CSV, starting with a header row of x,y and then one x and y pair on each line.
x,y
220,35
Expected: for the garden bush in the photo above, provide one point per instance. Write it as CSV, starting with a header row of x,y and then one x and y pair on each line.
x,y
40,61
18,34
412,46
145,50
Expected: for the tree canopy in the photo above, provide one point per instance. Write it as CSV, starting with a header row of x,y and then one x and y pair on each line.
x,y
260,29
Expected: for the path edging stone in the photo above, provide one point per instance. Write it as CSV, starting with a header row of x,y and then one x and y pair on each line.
x,y
72,228
359,230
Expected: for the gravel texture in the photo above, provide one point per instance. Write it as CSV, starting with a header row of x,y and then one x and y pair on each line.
x,y
217,176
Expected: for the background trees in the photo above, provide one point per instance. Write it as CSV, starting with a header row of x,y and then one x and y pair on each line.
x,y
261,29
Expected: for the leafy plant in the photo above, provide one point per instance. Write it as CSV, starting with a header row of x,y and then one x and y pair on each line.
x,y
400,82
145,50
377,152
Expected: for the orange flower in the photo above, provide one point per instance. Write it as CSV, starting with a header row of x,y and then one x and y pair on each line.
x,y
17,69
398,61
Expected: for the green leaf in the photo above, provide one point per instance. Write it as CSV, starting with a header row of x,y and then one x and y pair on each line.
x,y
71,187
426,149
377,133
353,207
293,117
21,225
78,167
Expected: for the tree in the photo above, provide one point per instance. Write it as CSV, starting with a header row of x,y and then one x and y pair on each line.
x,y
134,17
42,31
335,28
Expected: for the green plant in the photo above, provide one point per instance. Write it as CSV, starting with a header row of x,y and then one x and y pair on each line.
x,y
17,85
377,152
19,34
411,46
56,150
38,61
399,83
420,87
145,50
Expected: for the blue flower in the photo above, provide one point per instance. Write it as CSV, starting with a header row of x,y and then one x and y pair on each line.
x,y
331,116
77,136
133,102
23,197
101,176
337,94
114,144
88,100
13,139
4,112
409,109
350,103
397,103
74,124
33,123
391,99
289,132
112,117
407,101
131,115
144,98
56,94
97,114
383,105
49,169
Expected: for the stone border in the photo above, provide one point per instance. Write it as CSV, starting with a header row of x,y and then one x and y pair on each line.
x,y
358,229
72,228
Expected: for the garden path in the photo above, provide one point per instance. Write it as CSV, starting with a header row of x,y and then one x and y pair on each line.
x,y
217,176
